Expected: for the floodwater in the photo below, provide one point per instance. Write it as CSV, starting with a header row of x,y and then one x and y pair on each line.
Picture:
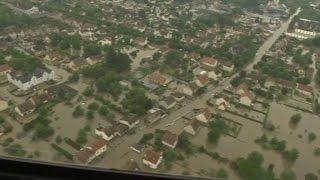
x,y
307,162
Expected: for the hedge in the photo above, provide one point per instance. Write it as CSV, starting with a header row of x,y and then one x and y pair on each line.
x,y
62,151
72,143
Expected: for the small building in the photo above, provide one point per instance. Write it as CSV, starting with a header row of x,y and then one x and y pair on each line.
x,y
178,96
269,82
107,133
192,127
168,102
25,108
154,115
4,69
208,63
228,66
204,115
246,99
222,104
242,88
40,99
159,79
305,89
152,159
131,121
202,80
92,150
215,74
25,82
170,139
191,90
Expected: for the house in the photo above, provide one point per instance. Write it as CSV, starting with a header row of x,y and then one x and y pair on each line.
x,y
25,82
208,63
92,150
152,159
168,102
215,74
155,114
178,96
191,90
202,80
246,99
40,99
269,82
242,88
170,139
107,133
286,84
228,66
305,89
138,147
159,79
4,69
131,121
25,108
204,115
3,104
222,104
192,127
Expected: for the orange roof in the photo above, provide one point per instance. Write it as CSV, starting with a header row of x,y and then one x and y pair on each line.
x,y
243,86
203,78
206,112
157,78
208,60
5,68
169,138
305,88
152,156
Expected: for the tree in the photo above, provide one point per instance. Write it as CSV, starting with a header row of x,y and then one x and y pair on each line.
x,y
79,111
288,175
117,61
174,59
74,77
316,152
110,83
295,119
312,136
104,110
89,91
310,176
291,155
136,102
43,131
222,173
214,136
82,137
91,49
171,155
145,138
15,150
90,115
185,144
93,106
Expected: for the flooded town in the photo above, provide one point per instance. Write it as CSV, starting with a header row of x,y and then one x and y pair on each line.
x,y
218,89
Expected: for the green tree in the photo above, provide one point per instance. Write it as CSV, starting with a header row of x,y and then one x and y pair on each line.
x,y
222,173
310,176
43,131
90,115
74,77
214,136
117,61
291,155
93,106
174,59
288,175
295,119
91,49
79,111
136,102
312,136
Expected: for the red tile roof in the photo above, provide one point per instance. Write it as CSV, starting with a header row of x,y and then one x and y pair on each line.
x,y
305,88
203,79
152,156
206,112
169,138
5,68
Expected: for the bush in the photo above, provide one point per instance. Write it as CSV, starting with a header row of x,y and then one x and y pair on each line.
x,y
89,91
62,151
312,137
310,176
78,111
93,106
222,173
295,119
90,115
316,152
145,138
291,155
7,141
15,150
288,175
43,131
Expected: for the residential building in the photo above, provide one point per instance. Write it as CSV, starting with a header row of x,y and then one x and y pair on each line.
x,y
131,121
191,90
246,99
107,133
208,63
178,96
170,139
192,127
25,82
159,79
305,89
92,150
138,147
168,102
202,80
152,159
204,115
155,114
4,69
215,74
222,104
25,108
228,66
242,88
